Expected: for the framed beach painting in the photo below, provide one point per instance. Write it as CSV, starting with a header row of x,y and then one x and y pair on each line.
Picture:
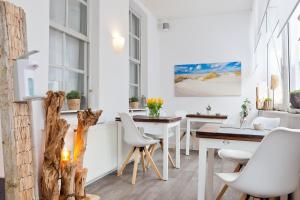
x,y
210,79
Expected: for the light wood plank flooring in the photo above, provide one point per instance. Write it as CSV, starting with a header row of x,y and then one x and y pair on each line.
x,y
182,183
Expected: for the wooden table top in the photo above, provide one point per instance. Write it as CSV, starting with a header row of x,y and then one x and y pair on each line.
x,y
216,131
207,116
144,118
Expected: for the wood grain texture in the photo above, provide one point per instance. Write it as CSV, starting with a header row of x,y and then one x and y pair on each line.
x,y
15,117
86,119
181,185
56,129
212,131
207,116
144,118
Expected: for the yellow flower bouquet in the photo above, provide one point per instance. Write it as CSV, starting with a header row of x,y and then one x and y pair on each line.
x,y
154,105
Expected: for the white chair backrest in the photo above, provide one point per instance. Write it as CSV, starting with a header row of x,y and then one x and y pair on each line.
x,y
274,168
268,123
132,135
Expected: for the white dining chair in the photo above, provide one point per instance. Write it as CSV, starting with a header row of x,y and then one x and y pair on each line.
x,y
242,157
273,170
139,143
158,136
266,122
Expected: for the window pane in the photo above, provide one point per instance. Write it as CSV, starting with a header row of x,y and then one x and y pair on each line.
x,y
55,47
275,70
74,53
133,91
135,25
134,71
75,81
294,36
55,79
77,16
134,48
57,11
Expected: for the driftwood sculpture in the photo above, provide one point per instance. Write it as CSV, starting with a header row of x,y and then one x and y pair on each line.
x,y
68,181
86,119
56,130
15,116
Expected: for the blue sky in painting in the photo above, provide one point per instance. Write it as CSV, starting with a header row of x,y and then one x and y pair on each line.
x,y
209,67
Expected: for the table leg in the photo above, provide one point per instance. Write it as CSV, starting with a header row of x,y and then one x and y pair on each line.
x,y
210,174
202,171
165,153
188,137
177,146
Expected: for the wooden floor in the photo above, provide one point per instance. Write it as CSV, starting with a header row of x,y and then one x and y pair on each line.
x,y
182,183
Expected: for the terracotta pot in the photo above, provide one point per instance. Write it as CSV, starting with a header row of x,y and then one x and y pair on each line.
x,y
267,105
134,105
73,104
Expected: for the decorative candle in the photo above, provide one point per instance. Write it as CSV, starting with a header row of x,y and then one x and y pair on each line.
x,y
65,155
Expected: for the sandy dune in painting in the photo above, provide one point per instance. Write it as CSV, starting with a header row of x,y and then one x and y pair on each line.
x,y
225,84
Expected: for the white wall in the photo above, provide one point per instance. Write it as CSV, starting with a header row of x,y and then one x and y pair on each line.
x,y
216,38
37,18
114,68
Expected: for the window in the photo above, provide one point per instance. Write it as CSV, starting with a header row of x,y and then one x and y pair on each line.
x,y
294,50
68,47
275,69
134,55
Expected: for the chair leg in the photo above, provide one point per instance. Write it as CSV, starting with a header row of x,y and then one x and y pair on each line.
x,y
169,155
135,166
182,136
143,159
120,172
225,187
153,164
244,197
171,160
151,151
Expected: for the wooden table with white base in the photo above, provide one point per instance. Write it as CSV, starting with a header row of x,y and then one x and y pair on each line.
x,y
160,125
190,118
211,137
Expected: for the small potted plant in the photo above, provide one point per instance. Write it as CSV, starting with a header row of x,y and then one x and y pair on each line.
x,y
73,100
154,105
295,99
267,104
246,107
134,102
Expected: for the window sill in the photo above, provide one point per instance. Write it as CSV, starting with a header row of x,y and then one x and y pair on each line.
x,y
290,113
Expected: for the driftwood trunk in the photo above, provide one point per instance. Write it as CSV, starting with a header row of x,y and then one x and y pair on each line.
x,y
15,116
86,119
56,130
67,191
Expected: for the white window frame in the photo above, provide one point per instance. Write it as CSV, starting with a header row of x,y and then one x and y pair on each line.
x,y
132,59
67,31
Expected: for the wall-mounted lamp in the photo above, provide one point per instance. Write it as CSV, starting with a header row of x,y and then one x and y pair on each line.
x,y
118,43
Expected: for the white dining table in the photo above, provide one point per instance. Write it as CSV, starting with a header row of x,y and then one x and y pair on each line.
x,y
212,137
196,118
159,126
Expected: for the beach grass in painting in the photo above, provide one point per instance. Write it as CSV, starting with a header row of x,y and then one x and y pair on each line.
x,y
212,79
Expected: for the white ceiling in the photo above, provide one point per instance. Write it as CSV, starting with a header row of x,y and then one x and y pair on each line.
x,y
192,8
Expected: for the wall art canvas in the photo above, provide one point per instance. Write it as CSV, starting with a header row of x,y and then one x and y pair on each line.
x,y
210,79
